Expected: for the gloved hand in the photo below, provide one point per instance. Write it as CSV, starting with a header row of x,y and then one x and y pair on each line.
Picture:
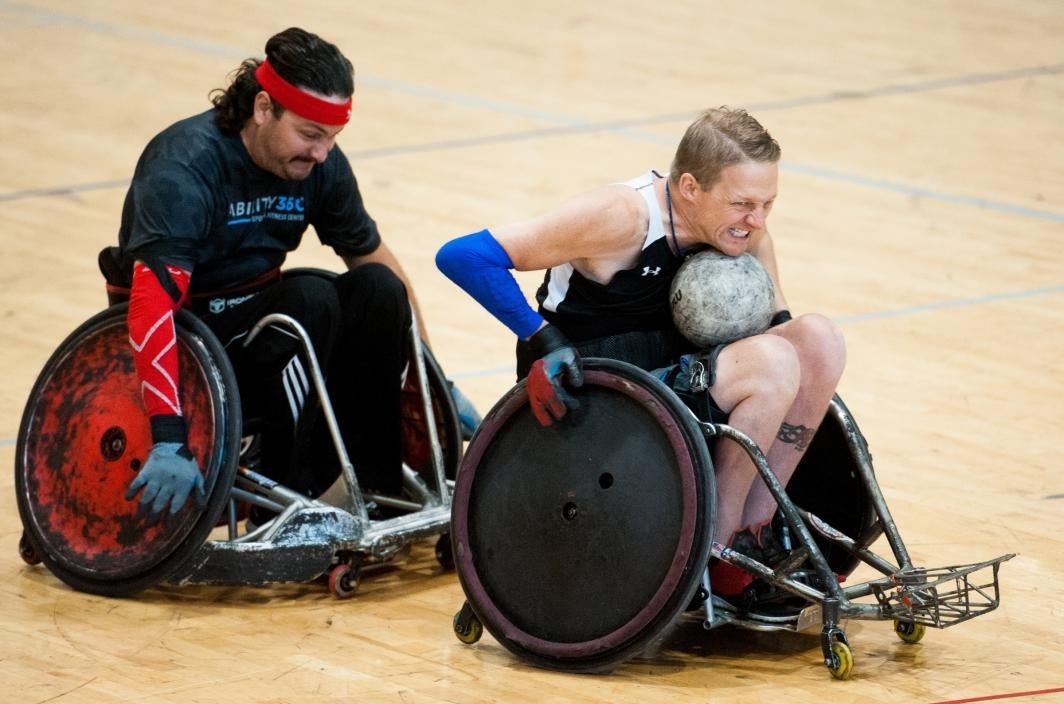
x,y
559,362
168,476
779,318
468,417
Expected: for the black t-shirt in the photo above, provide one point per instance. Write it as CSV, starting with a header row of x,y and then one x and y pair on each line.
x,y
197,200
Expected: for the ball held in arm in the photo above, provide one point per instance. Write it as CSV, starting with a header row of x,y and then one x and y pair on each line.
x,y
717,299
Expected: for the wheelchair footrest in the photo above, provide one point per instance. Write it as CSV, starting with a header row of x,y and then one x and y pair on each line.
x,y
943,596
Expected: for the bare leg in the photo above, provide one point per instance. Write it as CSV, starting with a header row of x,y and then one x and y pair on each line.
x,y
757,380
776,389
821,355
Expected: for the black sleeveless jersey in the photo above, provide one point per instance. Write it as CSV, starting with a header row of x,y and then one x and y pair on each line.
x,y
197,200
634,299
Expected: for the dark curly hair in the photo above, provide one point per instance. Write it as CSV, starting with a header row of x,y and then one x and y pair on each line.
x,y
301,58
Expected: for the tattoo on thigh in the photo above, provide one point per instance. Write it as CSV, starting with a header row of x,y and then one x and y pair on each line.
x,y
797,435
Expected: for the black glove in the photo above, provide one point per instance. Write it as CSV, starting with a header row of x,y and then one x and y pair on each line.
x,y
559,362
781,317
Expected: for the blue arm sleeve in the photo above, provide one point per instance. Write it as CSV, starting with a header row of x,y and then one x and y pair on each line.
x,y
480,265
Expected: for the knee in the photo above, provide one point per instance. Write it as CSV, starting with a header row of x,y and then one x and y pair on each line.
x,y
373,292
312,302
777,372
820,346
372,283
308,292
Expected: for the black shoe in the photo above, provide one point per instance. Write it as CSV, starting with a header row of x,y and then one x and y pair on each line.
x,y
257,517
769,600
379,512
698,601
771,547
761,597
745,543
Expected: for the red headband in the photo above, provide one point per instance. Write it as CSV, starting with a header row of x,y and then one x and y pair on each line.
x,y
299,101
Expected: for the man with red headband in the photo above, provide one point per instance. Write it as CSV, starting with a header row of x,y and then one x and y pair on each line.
x,y
216,203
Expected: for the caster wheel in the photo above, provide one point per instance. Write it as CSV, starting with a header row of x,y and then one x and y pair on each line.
x,y
26,551
467,627
909,631
841,665
343,581
444,553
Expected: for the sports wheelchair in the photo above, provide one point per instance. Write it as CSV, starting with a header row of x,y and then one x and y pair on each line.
x,y
579,544
84,434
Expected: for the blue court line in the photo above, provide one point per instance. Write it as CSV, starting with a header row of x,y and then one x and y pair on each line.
x,y
38,15
479,373
64,190
805,169
945,305
569,125
842,320
920,192
856,319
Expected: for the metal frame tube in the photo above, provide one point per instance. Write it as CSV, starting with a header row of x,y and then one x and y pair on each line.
x,y
354,503
439,472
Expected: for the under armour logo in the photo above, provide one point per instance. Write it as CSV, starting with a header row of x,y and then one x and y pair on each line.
x,y
647,271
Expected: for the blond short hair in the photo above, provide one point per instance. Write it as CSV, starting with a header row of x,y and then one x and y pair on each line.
x,y
719,138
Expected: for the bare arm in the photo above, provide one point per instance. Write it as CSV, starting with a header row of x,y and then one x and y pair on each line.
x,y
599,232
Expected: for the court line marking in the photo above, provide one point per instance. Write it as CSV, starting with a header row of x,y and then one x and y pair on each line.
x,y
63,190
805,169
858,318
945,305
1009,695
572,125
841,320
471,100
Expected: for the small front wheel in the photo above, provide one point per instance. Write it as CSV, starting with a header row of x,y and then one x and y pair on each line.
x,y
909,631
26,551
467,627
343,581
841,662
444,553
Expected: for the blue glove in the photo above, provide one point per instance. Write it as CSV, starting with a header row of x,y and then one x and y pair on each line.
x,y
559,362
168,476
467,412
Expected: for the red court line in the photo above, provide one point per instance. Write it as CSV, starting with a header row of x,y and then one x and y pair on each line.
x,y
1011,695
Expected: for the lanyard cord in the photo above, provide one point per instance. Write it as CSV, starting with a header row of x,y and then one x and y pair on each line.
x,y
672,226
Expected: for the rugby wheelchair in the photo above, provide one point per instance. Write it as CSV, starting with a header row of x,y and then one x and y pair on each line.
x,y
579,544
84,434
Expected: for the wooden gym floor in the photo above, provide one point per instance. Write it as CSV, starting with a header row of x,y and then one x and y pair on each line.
x,y
921,205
